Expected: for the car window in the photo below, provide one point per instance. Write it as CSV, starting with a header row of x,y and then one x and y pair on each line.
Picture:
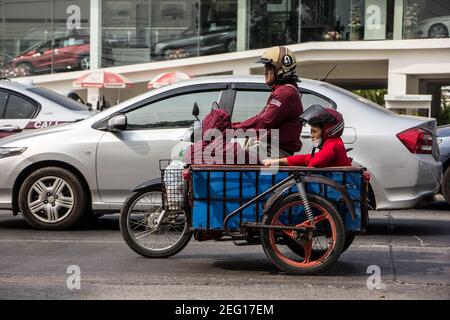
x,y
309,99
19,108
3,99
441,131
73,42
59,99
171,112
45,47
248,103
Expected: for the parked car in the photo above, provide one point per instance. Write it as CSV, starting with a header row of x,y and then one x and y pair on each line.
x,y
436,27
64,54
24,107
93,164
443,135
214,39
4,59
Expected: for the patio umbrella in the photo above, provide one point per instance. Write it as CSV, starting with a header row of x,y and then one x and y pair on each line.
x,y
103,79
166,78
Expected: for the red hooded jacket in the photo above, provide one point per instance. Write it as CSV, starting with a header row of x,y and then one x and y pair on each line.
x,y
282,112
332,154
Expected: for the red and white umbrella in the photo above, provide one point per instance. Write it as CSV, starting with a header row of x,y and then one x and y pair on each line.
x,y
166,78
102,79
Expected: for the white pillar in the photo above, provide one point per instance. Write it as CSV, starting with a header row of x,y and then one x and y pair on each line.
x,y
96,34
397,83
93,94
241,25
398,20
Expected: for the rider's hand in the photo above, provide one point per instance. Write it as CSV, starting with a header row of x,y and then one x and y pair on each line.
x,y
270,162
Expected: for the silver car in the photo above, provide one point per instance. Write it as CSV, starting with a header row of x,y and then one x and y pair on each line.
x,y
56,175
24,107
437,27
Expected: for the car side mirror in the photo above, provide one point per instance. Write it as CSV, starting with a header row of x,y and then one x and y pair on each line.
x,y
196,111
215,105
117,123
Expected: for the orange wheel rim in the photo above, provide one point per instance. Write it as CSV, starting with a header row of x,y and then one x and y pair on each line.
x,y
308,259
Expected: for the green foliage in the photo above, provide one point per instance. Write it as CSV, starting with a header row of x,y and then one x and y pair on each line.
x,y
444,117
374,95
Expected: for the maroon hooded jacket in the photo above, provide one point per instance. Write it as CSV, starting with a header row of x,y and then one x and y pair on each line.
x,y
282,112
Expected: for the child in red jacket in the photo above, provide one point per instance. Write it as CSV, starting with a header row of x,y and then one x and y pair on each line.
x,y
327,126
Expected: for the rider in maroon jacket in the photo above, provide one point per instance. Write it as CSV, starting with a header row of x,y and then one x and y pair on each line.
x,y
284,106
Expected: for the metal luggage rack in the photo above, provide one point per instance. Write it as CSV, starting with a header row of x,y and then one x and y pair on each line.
x,y
173,187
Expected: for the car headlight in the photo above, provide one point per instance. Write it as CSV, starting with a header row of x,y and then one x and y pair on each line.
x,y
10,151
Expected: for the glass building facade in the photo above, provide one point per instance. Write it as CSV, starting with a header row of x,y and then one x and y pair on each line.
x,y
47,36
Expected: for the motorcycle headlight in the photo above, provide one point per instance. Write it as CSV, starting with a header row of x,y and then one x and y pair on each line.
x,y
10,151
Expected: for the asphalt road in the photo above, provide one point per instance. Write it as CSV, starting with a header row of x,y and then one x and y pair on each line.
x,y
411,248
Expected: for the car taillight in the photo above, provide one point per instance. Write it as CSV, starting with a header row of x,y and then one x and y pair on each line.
x,y
417,140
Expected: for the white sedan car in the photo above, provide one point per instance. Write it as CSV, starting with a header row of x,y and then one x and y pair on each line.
x,y
24,106
56,175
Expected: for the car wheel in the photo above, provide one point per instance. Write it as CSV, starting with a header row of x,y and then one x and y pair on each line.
x,y
445,185
85,63
438,31
52,199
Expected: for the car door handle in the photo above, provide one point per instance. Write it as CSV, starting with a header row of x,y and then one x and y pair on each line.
x,y
10,129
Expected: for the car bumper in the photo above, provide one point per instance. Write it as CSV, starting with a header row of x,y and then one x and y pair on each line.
x,y
11,167
403,188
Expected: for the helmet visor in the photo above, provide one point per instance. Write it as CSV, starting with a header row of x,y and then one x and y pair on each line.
x,y
264,60
316,114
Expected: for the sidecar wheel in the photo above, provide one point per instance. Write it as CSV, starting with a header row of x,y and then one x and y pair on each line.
x,y
314,253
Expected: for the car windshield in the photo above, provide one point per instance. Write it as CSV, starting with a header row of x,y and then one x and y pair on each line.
x,y
359,98
59,99
33,47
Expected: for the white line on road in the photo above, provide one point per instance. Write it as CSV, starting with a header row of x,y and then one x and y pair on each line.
x,y
420,240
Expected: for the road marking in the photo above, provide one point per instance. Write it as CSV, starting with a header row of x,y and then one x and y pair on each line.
x,y
420,240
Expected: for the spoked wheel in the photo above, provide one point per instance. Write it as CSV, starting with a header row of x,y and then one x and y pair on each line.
x,y
151,231
299,252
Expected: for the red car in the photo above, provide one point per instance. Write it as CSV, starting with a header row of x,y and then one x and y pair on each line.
x,y
67,53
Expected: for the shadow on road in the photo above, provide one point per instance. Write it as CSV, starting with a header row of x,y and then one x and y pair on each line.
x,y
107,222
411,227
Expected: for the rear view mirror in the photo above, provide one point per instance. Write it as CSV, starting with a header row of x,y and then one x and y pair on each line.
x,y
117,123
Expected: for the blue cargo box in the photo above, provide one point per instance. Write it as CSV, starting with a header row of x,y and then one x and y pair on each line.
x,y
219,190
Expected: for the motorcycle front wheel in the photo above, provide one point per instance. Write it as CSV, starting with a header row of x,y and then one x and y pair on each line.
x,y
151,231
